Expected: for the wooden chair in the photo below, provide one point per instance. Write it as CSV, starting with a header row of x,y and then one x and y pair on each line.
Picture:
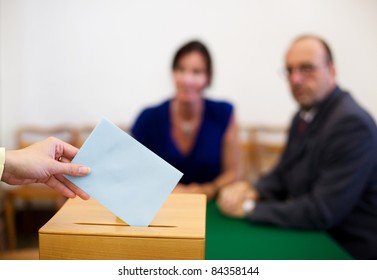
x,y
20,254
261,148
33,194
84,131
3,233
247,146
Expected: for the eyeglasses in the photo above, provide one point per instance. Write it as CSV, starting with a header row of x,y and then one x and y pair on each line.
x,y
304,69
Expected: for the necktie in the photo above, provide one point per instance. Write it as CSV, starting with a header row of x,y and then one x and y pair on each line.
x,y
301,126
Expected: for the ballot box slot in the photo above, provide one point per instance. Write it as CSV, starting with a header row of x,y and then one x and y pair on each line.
x,y
122,225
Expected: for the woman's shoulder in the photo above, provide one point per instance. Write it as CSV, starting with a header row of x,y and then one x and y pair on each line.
x,y
218,111
151,118
219,106
155,110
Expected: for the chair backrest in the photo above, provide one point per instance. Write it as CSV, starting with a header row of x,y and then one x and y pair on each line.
x,y
84,131
2,222
262,146
247,147
28,135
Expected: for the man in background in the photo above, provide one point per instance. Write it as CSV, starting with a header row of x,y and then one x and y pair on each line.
x,y
326,178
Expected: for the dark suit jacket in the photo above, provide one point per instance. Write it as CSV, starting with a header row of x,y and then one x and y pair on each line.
x,y
327,178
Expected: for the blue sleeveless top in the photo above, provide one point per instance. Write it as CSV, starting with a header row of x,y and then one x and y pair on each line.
x,y
203,164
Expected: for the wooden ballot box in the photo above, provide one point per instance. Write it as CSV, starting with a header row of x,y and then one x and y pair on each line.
x,y
87,230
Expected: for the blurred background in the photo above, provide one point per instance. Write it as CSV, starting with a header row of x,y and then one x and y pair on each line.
x,y
69,61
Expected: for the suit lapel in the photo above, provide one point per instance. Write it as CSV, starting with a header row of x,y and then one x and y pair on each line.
x,y
297,144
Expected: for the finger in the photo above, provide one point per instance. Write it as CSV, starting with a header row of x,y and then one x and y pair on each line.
x,y
222,200
234,199
59,187
62,148
63,159
74,169
69,151
228,196
223,207
68,184
70,169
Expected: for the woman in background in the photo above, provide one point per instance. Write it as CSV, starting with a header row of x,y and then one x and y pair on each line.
x,y
196,135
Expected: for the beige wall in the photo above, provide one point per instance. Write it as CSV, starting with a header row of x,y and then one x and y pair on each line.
x,y
66,61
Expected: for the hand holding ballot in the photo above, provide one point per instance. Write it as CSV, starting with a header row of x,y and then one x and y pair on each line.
x,y
44,162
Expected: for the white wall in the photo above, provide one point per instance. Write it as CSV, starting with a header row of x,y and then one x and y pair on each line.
x,y
71,61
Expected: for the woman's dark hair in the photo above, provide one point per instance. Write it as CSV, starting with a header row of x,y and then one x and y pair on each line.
x,y
194,46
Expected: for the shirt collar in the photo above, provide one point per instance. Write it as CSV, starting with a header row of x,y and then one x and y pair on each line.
x,y
308,115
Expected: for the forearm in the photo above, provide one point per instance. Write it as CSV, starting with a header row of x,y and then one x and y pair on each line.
x,y
212,188
270,187
300,213
226,178
231,157
208,189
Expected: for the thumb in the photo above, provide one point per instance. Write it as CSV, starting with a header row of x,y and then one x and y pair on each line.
x,y
72,169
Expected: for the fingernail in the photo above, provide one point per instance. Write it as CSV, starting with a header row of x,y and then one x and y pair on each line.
x,y
84,170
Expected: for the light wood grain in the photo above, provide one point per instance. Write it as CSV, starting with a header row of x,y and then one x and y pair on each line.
x,y
87,230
